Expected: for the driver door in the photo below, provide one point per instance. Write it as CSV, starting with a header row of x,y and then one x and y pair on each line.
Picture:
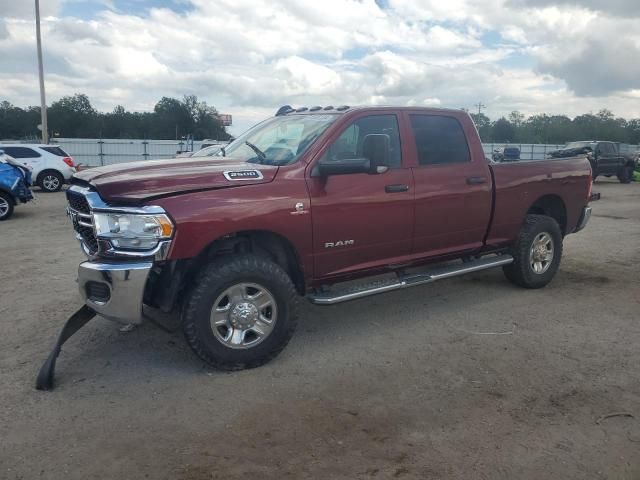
x,y
362,220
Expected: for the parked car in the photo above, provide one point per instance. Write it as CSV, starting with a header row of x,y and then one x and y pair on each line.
x,y
51,166
209,151
302,203
506,154
605,158
15,180
210,143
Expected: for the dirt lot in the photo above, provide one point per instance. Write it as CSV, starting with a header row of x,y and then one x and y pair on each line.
x,y
468,378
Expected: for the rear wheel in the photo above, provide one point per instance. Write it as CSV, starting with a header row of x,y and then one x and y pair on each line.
x,y
6,206
50,181
626,174
241,313
536,254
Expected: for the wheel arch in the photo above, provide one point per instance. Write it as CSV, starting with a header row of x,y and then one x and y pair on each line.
x,y
261,242
47,170
12,197
552,206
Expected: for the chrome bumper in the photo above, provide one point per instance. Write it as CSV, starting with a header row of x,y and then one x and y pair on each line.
x,y
114,290
584,219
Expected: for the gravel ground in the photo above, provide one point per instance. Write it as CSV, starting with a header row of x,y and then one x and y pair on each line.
x,y
466,378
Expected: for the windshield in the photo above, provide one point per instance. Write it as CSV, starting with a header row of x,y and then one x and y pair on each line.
x,y
579,144
279,140
208,151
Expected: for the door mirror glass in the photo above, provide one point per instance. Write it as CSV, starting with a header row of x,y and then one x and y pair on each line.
x,y
345,166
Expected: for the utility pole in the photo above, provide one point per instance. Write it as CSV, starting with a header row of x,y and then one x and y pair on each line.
x,y
480,106
43,101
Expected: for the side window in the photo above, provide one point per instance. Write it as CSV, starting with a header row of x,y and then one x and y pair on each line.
x,y
57,151
349,143
439,140
21,152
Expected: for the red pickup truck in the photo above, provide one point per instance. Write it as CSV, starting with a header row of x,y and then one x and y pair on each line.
x,y
303,202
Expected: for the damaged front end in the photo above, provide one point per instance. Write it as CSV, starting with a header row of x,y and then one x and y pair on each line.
x,y
122,244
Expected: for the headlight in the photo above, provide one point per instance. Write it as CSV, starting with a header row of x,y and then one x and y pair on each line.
x,y
135,231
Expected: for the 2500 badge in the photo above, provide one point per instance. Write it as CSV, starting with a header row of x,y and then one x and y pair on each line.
x,y
235,175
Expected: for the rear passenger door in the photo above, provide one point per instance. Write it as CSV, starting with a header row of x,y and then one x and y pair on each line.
x,y
452,187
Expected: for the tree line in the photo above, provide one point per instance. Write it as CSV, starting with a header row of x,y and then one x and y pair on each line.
x,y
75,117
171,118
557,129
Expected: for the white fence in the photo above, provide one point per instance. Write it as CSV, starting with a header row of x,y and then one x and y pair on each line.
x,y
94,152
528,151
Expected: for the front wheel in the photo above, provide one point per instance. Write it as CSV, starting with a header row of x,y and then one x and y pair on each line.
x,y
6,206
626,174
536,254
241,313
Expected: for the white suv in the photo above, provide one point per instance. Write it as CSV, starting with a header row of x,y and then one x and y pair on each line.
x,y
51,166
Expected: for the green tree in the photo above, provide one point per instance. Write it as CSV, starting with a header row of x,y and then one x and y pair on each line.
x,y
483,124
516,118
73,116
503,131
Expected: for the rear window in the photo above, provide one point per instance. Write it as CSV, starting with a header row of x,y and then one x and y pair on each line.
x,y
21,152
439,140
55,150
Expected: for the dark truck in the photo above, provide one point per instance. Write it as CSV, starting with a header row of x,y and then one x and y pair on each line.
x,y
302,203
605,158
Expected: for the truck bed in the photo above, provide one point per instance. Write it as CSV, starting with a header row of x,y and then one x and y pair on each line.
x,y
519,185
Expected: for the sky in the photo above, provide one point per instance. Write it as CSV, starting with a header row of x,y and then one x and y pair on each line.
x,y
248,57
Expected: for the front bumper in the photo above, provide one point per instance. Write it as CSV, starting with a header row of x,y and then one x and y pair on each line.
x,y
584,219
114,290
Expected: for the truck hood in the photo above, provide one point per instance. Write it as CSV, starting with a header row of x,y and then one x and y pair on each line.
x,y
137,181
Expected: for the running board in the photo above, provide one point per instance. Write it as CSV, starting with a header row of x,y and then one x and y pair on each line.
x,y
406,281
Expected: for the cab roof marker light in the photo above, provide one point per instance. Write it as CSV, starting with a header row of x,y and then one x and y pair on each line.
x,y
302,109
315,109
342,108
283,110
330,107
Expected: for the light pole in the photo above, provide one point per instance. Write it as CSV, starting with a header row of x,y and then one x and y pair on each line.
x,y
43,102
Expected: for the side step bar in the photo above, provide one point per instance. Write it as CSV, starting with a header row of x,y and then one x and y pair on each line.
x,y
406,281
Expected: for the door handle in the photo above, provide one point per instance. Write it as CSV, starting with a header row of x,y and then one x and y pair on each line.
x,y
476,180
396,188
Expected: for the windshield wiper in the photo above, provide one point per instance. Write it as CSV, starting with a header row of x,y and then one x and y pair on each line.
x,y
259,152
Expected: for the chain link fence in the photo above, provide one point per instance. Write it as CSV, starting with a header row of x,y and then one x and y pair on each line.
x,y
97,152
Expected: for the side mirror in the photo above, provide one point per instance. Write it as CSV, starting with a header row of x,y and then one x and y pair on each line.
x,y
376,148
375,153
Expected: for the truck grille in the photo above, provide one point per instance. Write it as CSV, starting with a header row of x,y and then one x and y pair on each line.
x,y
79,207
78,202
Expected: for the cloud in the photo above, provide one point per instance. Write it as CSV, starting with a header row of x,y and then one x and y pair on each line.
x,y
26,10
247,57
601,65
624,8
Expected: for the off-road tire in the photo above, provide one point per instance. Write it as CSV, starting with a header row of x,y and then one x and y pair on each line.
x,y
520,272
9,201
214,279
50,173
626,174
